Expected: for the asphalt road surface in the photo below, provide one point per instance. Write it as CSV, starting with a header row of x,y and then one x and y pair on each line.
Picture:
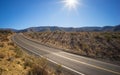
x,y
75,64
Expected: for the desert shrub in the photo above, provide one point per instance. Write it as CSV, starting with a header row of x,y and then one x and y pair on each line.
x,y
1,70
10,59
38,66
28,63
98,37
85,47
19,52
11,48
1,44
2,55
116,36
43,62
108,37
6,32
11,43
36,70
4,39
59,69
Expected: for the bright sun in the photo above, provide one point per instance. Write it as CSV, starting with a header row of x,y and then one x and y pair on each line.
x,y
71,4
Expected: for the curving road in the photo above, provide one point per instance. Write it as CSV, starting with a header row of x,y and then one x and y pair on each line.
x,y
74,64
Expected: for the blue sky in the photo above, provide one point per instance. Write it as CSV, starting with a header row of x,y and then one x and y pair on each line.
x,y
20,14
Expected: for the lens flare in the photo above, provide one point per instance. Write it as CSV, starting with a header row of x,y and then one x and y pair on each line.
x,y
71,4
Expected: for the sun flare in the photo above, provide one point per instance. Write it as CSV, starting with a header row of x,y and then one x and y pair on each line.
x,y
71,4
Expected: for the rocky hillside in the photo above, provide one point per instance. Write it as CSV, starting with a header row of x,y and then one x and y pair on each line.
x,y
94,44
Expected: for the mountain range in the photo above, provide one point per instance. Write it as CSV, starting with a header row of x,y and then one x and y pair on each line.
x,y
71,29
67,29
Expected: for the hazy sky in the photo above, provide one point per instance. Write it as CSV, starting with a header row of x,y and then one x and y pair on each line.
x,y
21,14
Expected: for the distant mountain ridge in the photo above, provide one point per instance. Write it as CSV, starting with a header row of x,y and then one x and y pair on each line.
x,y
67,29
15,30
70,29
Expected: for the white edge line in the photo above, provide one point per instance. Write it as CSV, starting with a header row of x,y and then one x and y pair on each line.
x,y
91,59
51,60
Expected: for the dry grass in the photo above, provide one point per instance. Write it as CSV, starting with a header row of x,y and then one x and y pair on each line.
x,y
14,61
1,45
2,55
38,68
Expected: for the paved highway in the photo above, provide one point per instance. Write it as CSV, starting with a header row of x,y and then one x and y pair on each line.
x,y
79,65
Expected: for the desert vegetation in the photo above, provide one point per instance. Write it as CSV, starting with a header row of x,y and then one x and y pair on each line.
x,y
105,45
15,61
